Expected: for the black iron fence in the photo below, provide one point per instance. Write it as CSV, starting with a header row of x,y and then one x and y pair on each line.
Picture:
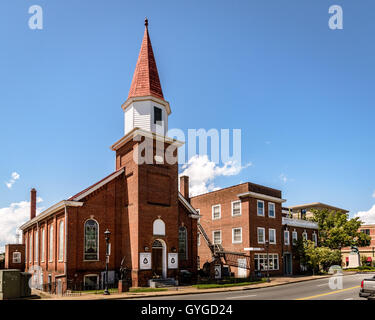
x,y
75,288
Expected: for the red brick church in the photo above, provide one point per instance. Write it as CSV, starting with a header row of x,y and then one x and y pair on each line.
x,y
153,226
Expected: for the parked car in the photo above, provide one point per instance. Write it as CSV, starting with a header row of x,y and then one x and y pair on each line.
x,y
367,288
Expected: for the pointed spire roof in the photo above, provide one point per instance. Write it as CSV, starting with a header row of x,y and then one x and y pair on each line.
x,y
146,80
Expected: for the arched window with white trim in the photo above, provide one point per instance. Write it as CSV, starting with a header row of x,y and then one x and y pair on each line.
x,y
158,227
50,245
91,240
61,241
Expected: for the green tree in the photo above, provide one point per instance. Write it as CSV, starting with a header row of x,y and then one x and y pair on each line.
x,y
336,230
316,258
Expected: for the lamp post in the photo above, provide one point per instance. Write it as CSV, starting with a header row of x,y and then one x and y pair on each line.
x,y
268,261
107,235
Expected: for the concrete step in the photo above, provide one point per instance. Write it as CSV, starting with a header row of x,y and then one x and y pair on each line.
x,y
162,283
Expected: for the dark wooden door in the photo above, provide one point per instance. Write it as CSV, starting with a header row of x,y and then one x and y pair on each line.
x,y
157,261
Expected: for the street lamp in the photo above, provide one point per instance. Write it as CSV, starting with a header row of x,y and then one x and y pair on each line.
x,y
268,261
107,235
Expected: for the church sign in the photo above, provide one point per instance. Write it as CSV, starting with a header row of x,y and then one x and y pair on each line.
x,y
145,260
172,260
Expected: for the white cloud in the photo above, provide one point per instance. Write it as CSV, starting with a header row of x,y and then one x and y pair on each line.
x,y
11,218
283,178
14,177
202,173
367,217
373,195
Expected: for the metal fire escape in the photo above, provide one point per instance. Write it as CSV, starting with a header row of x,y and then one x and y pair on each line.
x,y
226,257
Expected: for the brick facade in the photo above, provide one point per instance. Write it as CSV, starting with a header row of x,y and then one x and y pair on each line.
x,y
249,221
15,256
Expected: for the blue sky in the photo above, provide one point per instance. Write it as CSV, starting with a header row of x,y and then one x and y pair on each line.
x,y
301,93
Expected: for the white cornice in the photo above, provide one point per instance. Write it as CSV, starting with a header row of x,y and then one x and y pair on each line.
x,y
260,196
99,185
55,208
164,103
140,132
299,223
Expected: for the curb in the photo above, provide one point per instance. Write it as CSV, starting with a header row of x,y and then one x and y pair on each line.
x,y
175,293
223,290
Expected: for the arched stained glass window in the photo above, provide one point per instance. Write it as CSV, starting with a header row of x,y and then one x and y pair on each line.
x,y
91,240
182,243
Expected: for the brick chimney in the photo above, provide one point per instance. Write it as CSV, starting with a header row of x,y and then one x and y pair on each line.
x,y
32,203
184,187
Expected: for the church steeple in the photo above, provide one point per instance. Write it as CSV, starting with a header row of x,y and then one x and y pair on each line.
x,y
146,80
146,107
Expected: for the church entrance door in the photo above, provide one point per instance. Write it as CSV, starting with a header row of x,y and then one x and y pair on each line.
x,y
157,258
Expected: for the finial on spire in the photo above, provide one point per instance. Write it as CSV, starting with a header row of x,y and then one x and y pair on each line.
x,y
146,22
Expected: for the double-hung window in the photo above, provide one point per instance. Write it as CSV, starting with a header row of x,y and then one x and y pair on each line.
x,y
237,235
217,236
260,208
294,237
261,236
236,208
304,235
315,238
216,212
271,210
272,236
286,237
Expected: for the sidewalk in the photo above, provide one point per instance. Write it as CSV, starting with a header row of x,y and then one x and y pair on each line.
x,y
275,281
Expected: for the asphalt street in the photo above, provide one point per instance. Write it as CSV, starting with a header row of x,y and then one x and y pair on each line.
x,y
319,289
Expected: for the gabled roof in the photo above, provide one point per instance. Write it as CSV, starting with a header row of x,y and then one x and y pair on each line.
x,y
95,186
73,201
146,80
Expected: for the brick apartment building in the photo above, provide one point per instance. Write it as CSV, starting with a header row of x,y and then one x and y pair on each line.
x,y
243,219
153,226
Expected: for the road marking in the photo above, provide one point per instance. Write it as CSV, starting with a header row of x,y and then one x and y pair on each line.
x,y
349,299
247,296
321,285
328,293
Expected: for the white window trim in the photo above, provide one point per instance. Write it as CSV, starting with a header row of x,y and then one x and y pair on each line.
x,y
269,235
260,215
303,235
50,244
315,238
212,208
60,249
84,233
287,243
91,275
270,256
213,236
264,234
36,246
296,237
19,257
238,228
274,210
42,244
31,248
239,214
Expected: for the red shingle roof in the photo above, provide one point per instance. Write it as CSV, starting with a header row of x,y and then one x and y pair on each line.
x,y
146,80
